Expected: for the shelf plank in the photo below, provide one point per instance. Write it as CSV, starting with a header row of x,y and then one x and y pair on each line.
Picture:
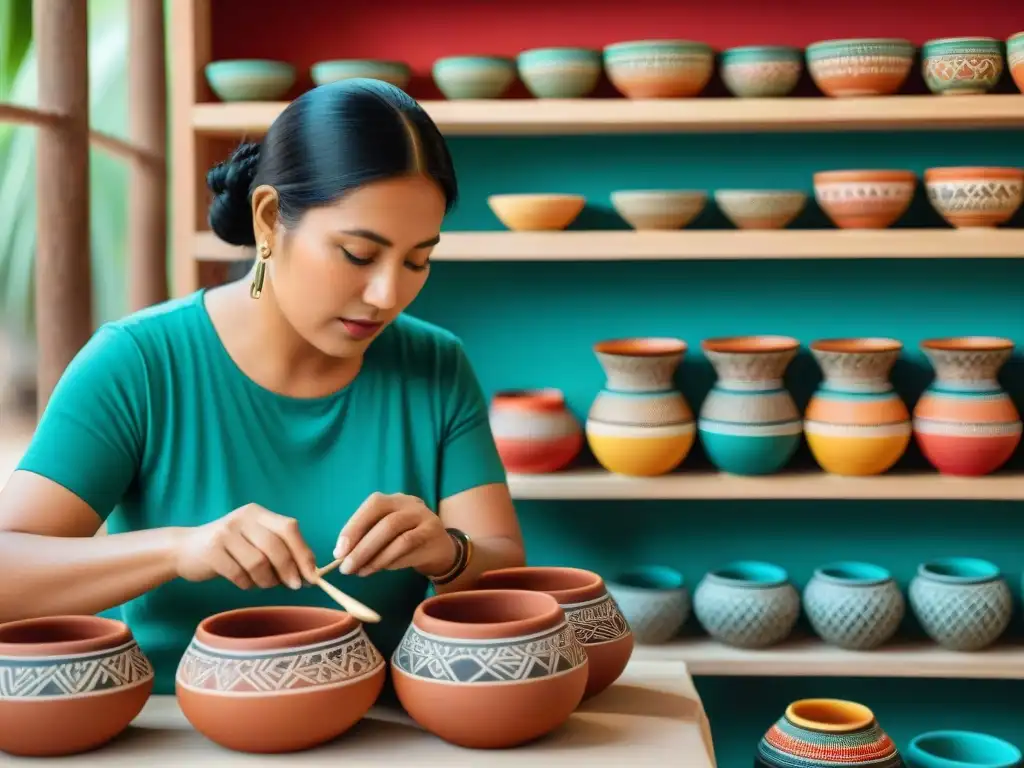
x,y
618,116
693,245
810,657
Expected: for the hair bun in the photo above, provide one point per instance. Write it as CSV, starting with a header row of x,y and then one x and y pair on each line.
x,y
230,214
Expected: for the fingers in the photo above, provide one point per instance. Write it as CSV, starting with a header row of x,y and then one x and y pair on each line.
x,y
224,564
277,553
255,562
387,530
393,554
370,512
287,530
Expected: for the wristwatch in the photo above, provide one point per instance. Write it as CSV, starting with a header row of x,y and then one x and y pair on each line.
x,y
463,553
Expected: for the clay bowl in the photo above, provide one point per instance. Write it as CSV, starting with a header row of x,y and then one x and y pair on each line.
x,y
659,69
560,73
760,208
395,72
599,624
955,65
489,669
975,197
474,77
249,79
535,212
861,66
761,71
658,208
68,684
1015,59
278,679
864,199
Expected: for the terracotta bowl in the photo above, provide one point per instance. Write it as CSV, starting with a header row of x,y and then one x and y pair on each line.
x,y
864,199
534,212
599,624
1015,59
658,209
975,197
860,66
489,669
955,65
760,208
68,684
659,69
278,679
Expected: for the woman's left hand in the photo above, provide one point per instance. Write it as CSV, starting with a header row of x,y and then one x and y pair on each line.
x,y
395,531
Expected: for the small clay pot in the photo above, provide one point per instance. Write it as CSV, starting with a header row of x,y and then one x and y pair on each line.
x,y
975,196
534,430
489,669
864,199
68,684
593,613
278,679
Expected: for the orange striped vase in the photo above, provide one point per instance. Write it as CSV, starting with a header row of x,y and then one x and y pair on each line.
x,y
534,430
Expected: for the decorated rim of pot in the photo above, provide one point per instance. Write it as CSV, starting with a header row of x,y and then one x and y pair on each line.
x,y
857,345
540,399
963,39
474,59
233,630
488,614
865,174
853,573
649,579
830,715
566,585
744,50
957,173
1010,757
56,636
959,570
841,42
968,344
358,63
755,574
750,345
642,346
640,46
571,52
1016,37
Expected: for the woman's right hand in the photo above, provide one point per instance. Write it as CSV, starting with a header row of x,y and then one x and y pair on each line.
x,y
250,546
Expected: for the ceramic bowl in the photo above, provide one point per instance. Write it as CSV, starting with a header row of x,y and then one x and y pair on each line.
x,y
1015,59
654,600
955,65
813,732
747,604
559,73
535,212
852,605
534,430
68,684
395,72
864,199
278,679
975,196
658,208
760,208
659,69
761,71
474,77
962,749
490,669
860,67
249,79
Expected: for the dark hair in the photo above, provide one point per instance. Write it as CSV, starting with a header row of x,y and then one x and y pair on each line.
x,y
328,141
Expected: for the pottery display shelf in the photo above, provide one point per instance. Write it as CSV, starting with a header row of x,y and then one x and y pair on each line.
x,y
588,116
651,716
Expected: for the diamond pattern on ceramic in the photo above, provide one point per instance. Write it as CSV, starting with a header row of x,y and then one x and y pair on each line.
x,y
746,615
962,617
855,616
23,677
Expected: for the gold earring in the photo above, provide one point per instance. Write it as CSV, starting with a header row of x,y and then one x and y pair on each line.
x,y
263,254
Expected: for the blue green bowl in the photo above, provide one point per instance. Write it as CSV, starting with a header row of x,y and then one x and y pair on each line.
x,y
395,72
560,73
957,65
474,77
961,749
761,71
249,79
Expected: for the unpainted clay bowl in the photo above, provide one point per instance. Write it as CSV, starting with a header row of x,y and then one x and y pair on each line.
x,y
975,196
658,209
591,611
474,77
760,208
535,212
864,199
68,684
397,73
278,679
249,79
490,669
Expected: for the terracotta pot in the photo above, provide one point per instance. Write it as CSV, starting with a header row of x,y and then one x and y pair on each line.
x,y
592,612
278,679
489,669
962,65
659,69
860,66
864,199
534,430
975,197
68,684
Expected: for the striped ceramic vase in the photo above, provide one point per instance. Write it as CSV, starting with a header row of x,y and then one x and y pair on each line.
x,y
856,423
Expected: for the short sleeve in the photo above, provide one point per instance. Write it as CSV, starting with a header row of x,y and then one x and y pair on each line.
x,y
90,437
469,456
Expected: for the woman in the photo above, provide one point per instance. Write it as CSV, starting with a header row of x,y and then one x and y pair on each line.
x,y
236,438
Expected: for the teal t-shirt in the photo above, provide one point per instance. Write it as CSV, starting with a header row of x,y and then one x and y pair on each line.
x,y
153,424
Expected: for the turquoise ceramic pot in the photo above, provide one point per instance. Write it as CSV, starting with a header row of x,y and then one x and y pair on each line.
x,y
962,64
654,600
747,604
395,72
474,77
761,71
249,79
560,73
858,606
961,749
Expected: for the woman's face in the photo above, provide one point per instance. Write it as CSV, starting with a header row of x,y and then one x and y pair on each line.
x,y
350,268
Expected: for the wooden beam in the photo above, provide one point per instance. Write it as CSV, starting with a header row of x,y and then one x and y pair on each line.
x,y
63,278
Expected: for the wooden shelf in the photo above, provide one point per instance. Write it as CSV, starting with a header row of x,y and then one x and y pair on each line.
x,y
595,484
810,657
689,245
588,116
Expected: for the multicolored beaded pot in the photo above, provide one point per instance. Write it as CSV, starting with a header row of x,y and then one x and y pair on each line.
x,y
749,424
1015,59
821,733
560,73
965,422
856,423
860,67
761,71
747,604
858,606
955,65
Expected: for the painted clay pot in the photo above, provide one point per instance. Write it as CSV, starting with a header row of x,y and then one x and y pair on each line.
x,y
965,423
747,604
534,430
856,423
864,199
821,733
559,73
278,679
658,209
589,609
761,71
474,77
655,601
397,73
860,67
955,65
68,684
975,197
536,212
857,606
640,424
749,423
490,669
659,69
1015,59
760,208
962,749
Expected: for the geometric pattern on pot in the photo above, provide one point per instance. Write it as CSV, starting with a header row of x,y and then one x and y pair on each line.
x,y
968,609
854,605
502,660
333,662
25,677
597,621
747,604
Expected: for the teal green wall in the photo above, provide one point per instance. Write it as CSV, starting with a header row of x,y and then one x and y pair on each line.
x,y
532,324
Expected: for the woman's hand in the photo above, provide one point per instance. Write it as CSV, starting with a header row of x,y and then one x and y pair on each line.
x,y
250,546
395,531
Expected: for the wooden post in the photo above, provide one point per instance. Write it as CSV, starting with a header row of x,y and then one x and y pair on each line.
x,y
147,125
63,270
